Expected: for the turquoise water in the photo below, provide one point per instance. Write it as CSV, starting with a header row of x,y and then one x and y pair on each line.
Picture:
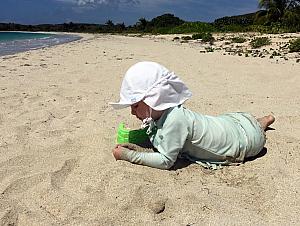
x,y
14,42
9,36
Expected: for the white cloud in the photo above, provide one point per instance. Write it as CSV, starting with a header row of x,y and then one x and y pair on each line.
x,y
91,2
100,2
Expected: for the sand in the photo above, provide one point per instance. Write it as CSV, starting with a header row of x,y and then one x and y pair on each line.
x,y
57,133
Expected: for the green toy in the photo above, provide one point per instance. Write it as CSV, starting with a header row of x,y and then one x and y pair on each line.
x,y
125,135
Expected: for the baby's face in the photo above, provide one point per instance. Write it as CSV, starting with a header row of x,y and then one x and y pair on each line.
x,y
140,110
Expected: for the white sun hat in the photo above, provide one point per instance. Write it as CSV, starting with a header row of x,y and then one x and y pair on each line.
x,y
154,84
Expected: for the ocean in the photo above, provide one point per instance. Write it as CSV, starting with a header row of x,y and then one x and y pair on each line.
x,y
14,42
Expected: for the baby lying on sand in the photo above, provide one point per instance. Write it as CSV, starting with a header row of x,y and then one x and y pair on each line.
x,y
155,96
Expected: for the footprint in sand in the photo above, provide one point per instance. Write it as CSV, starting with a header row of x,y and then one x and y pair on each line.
x,y
59,177
150,199
15,164
21,185
157,206
10,218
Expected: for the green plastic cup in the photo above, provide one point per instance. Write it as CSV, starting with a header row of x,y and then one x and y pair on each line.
x,y
125,135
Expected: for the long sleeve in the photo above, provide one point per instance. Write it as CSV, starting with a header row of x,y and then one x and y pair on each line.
x,y
168,141
155,159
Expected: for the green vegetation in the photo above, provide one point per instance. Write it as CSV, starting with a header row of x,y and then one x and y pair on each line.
x,y
209,49
295,45
259,42
281,13
158,25
197,36
274,54
161,24
241,20
65,27
205,37
238,40
186,38
192,27
277,9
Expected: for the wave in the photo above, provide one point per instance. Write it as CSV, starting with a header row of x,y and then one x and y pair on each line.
x,y
16,46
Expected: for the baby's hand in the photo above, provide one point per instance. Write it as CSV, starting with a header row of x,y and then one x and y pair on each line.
x,y
117,152
121,148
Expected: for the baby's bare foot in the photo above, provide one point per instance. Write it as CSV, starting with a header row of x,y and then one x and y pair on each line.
x,y
266,121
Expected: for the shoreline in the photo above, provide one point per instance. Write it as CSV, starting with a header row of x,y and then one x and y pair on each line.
x,y
58,131
11,47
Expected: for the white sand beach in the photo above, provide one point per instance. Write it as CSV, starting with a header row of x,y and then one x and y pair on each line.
x,y
58,132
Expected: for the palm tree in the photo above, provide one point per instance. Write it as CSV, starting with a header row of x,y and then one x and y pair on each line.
x,y
277,8
141,24
109,23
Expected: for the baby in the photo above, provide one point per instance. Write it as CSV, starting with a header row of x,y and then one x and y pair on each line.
x,y
155,96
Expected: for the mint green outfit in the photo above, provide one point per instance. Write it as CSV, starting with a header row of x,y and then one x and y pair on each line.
x,y
208,140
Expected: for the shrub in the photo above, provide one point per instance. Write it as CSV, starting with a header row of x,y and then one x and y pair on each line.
x,y
276,54
193,27
205,37
234,28
259,42
238,40
166,20
209,49
197,36
295,45
186,38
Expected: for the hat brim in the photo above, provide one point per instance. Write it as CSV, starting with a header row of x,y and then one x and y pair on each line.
x,y
118,106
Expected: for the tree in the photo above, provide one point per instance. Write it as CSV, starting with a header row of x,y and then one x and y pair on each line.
x,y
166,20
120,27
276,9
141,24
291,19
109,23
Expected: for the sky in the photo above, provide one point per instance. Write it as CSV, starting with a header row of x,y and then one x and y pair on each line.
x,y
127,11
